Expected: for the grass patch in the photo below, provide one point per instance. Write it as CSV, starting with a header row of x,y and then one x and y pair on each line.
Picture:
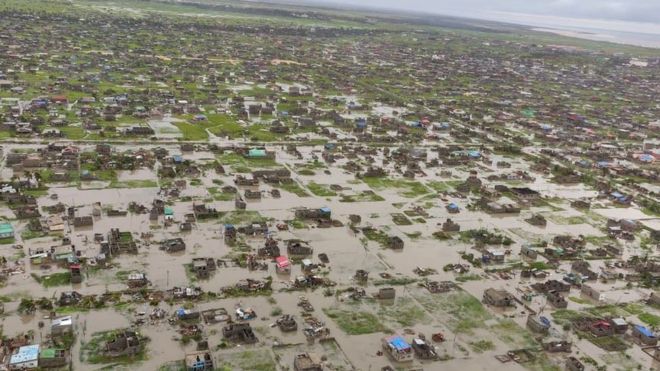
x,y
7,240
400,219
404,313
481,346
439,186
192,131
257,360
28,234
575,299
406,188
52,280
293,187
133,184
608,343
509,332
468,277
376,235
73,132
218,195
355,322
321,190
570,220
402,281
362,197
564,316
650,319
461,311
93,350
238,162
238,217
40,192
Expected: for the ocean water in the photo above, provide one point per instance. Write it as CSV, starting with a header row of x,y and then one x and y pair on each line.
x,y
619,37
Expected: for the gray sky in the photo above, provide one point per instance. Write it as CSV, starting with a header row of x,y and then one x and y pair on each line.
x,y
647,11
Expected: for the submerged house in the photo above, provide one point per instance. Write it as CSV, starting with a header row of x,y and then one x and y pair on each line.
x,y
395,243
6,230
538,324
25,357
199,362
498,298
644,335
282,264
173,245
397,348
307,362
239,332
126,342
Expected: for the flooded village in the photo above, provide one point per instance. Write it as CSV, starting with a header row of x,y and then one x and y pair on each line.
x,y
211,186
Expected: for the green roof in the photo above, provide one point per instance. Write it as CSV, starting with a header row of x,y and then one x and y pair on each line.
x,y
6,228
47,353
169,211
255,152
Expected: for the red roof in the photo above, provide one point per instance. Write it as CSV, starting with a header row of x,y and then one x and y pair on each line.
x,y
282,261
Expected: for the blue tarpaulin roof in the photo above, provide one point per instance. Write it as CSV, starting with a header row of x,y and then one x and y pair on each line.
x,y
325,209
644,331
398,343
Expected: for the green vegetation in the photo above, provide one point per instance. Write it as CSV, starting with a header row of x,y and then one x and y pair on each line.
x,y
400,219
93,350
220,196
133,184
239,217
7,241
401,281
440,186
293,187
257,360
406,188
242,164
468,277
52,280
486,237
650,319
377,235
355,322
461,311
362,197
481,346
321,190
28,234
403,313
509,332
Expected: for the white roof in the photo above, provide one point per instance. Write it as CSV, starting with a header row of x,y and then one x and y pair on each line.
x,y
619,321
62,321
28,353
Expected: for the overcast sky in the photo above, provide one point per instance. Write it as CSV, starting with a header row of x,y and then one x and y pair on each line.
x,y
624,10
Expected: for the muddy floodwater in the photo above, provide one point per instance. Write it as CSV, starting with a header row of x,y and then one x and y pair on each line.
x,y
355,220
